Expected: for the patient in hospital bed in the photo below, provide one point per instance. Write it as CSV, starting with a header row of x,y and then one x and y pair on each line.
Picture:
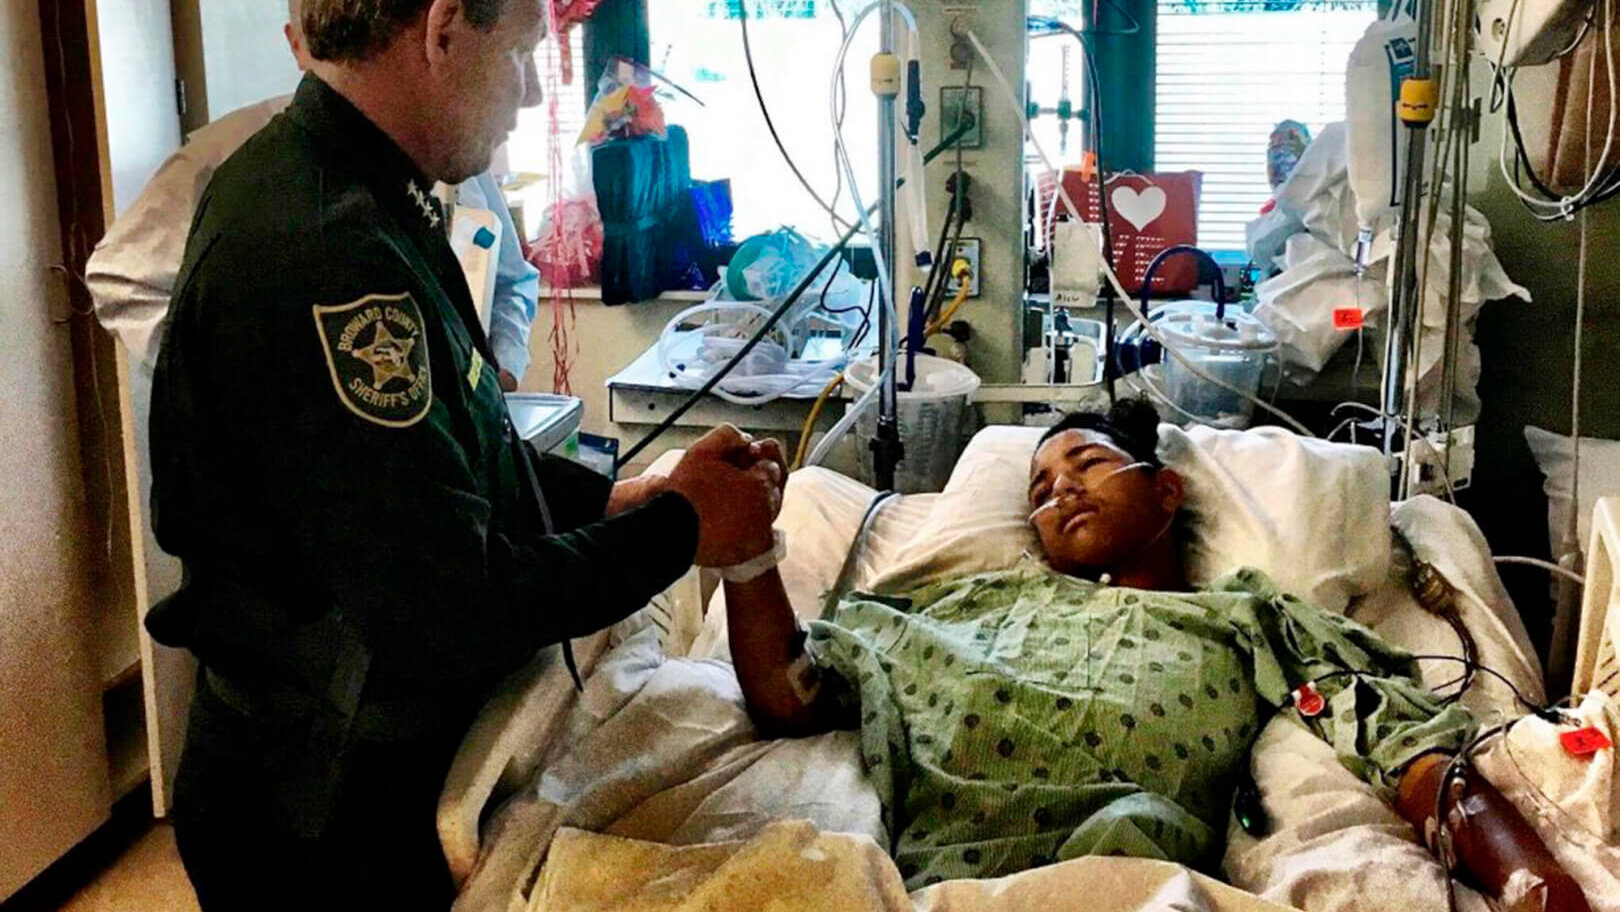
x,y
1089,702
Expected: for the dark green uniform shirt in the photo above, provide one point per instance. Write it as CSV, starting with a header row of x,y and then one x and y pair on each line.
x,y
333,460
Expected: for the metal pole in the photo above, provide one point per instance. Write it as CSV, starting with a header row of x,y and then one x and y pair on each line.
x,y
1405,302
886,450
1462,123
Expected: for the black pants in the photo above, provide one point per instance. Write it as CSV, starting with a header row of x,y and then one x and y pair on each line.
x,y
244,851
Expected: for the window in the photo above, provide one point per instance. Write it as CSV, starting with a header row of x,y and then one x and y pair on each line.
x,y
698,45
1055,71
1227,72
528,150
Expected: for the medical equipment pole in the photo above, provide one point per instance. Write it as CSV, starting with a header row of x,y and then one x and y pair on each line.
x,y
1416,111
887,449
1462,123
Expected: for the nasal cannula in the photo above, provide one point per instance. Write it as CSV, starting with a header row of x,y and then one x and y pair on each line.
x,y
1055,499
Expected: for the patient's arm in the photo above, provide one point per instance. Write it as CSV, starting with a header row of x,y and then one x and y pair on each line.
x,y
784,694
1494,842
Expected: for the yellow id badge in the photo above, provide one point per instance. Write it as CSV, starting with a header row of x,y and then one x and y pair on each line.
x,y
476,371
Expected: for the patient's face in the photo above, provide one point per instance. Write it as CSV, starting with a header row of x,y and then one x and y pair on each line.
x,y
1093,505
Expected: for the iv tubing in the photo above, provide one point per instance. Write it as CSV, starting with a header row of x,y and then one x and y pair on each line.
x,y
825,445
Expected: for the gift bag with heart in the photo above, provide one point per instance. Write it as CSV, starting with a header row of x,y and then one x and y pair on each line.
x,y
1147,213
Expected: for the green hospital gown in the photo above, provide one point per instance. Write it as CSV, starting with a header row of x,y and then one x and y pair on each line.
x,y
1016,718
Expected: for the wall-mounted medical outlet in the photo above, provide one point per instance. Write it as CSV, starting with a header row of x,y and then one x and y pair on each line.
x,y
962,106
967,249
961,19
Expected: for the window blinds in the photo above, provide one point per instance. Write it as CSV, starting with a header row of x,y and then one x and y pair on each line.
x,y
1227,73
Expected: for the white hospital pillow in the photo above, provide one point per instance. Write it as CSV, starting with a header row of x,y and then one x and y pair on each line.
x,y
1312,515
980,521
1600,477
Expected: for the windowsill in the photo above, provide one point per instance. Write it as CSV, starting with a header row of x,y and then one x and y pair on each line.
x,y
593,294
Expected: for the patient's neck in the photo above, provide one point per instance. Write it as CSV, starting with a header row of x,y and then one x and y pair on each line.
x,y
1157,568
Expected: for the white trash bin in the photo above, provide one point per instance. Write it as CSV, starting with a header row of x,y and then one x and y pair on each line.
x,y
933,421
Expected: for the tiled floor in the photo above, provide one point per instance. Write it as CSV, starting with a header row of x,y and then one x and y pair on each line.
x,y
148,877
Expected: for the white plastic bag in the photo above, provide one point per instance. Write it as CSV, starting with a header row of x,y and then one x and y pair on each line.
x,y
1298,304
1483,280
1076,264
1266,237
1383,57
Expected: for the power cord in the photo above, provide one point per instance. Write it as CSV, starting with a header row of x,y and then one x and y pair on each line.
x,y
770,124
939,276
770,322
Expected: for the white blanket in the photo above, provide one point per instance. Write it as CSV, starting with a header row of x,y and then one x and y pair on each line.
x,y
793,865
674,760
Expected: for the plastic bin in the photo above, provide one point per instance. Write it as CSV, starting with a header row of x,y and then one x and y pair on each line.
x,y
549,422
933,422
1233,350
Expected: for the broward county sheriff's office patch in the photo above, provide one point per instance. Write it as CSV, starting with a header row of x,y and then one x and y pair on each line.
x,y
377,351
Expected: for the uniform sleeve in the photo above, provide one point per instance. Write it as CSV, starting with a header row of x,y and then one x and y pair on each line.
x,y
575,495
390,522
517,290
1378,719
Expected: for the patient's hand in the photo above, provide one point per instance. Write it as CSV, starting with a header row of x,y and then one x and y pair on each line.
x,y
1492,840
761,458
765,460
736,488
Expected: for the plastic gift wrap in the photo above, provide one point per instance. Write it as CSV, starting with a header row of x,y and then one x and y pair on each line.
x,y
626,105
1288,142
568,252
568,249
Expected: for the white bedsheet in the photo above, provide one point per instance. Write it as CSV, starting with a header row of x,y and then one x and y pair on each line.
x,y
1335,846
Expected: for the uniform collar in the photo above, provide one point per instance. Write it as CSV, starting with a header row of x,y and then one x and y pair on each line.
x,y
398,182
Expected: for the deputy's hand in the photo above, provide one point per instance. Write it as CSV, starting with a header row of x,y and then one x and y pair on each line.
x,y
735,494
509,382
633,492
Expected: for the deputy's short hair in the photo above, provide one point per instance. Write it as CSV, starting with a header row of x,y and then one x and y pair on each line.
x,y
350,31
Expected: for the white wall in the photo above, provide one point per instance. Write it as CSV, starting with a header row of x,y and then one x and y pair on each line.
x,y
245,56
606,339
230,53
142,123
997,171
53,774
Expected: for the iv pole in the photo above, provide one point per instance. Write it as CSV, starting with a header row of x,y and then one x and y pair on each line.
x,y
1416,111
887,449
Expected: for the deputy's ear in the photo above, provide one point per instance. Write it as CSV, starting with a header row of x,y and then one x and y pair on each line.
x,y
445,20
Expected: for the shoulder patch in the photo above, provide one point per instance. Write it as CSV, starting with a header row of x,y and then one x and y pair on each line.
x,y
376,349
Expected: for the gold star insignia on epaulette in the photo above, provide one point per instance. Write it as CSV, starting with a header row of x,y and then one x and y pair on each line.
x,y
389,357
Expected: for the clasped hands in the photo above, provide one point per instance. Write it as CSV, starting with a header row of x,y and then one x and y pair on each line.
x,y
733,482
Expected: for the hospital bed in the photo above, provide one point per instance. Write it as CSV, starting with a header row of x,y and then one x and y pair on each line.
x,y
650,789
